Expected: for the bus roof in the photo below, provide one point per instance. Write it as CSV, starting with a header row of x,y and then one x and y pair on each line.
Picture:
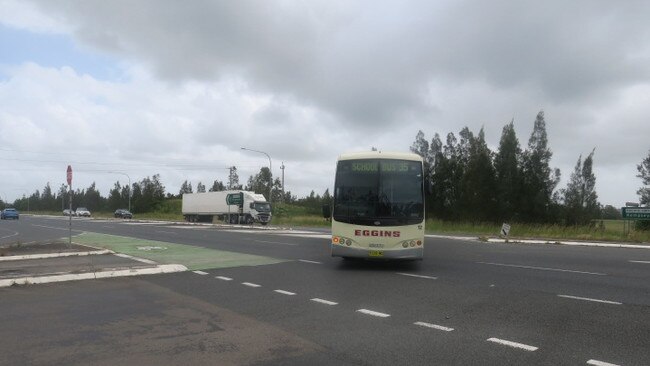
x,y
380,155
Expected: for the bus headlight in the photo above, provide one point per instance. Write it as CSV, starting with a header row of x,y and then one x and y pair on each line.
x,y
341,240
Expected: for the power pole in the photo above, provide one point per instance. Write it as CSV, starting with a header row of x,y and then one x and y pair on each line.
x,y
230,178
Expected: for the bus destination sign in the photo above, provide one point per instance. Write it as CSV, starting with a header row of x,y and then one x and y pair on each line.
x,y
385,166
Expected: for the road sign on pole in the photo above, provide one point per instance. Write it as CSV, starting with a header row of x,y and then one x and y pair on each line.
x,y
235,199
636,213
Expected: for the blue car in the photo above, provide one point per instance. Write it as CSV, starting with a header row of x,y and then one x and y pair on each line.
x,y
9,213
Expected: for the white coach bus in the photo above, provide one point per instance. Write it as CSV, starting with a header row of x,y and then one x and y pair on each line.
x,y
378,206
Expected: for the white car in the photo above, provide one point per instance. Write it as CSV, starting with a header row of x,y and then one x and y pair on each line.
x,y
82,211
67,212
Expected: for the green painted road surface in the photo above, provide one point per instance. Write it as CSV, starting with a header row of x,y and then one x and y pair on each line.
x,y
192,257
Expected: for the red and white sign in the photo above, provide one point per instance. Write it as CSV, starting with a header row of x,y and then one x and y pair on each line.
x,y
69,175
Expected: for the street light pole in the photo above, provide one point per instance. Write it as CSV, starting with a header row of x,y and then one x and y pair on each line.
x,y
129,186
270,168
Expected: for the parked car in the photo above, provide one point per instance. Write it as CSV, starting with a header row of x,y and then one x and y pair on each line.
x,y
9,213
82,211
123,214
68,212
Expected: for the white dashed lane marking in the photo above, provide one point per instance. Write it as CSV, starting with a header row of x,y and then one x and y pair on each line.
x,y
250,284
513,344
326,302
418,276
283,292
373,313
306,261
590,299
200,273
543,268
433,326
600,363
223,278
644,262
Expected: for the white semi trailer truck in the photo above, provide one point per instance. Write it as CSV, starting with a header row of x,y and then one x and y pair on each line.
x,y
229,206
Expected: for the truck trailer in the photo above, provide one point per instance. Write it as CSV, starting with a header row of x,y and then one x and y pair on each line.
x,y
235,207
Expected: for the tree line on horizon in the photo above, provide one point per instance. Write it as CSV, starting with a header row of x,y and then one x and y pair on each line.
x,y
466,181
148,194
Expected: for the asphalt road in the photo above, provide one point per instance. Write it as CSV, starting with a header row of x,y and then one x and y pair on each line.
x,y
465,303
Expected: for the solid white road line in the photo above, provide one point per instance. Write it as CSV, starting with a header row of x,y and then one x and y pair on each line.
x,y
590,299
373,313
644,262
600,363
310,236
200,273
143,260
306,261
418,276
250,284
285,292
15,233
274,242
224,278
166,232
513,344
56,228
326,302
434,326
543,268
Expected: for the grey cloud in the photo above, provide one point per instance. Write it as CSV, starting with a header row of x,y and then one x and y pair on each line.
x,y
368,63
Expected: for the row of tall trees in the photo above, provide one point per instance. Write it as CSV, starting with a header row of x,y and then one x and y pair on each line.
x,y
145,195
467,181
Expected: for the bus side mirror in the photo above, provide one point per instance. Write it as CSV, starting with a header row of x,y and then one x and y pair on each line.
x,y
327,211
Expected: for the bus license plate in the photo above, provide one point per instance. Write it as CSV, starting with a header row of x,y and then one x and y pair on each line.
x,y
376,253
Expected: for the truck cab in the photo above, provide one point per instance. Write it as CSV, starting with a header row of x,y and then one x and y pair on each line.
x,y
260,211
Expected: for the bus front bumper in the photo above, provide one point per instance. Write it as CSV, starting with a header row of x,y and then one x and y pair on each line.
x,y
351,252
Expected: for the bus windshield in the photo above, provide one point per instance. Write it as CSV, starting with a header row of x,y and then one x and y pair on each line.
x,y
378,192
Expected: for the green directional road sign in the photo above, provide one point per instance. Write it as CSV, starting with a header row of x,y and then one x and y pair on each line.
x,y
636,213
235,198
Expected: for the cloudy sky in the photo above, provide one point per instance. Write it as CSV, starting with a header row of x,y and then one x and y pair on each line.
x,y
177,88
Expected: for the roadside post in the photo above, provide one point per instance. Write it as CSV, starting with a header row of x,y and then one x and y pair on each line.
x,y
235,199
634,213
69,178
505,230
